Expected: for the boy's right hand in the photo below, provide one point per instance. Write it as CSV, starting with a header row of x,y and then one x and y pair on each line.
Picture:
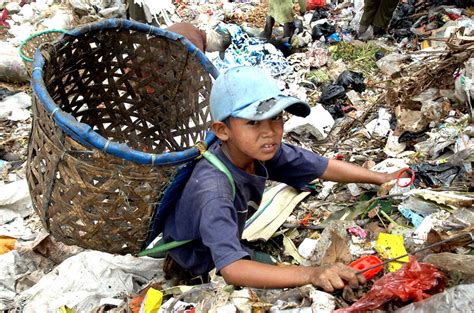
x,y
335,276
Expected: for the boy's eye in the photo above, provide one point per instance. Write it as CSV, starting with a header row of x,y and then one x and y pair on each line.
x,y
252,122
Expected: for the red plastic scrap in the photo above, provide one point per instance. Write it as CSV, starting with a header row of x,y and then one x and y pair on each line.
x,y
366,262
313,4
357,231
453,16
3,19
305,219
414,281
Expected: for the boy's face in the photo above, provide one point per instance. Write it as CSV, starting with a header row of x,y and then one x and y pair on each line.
x,y
247,140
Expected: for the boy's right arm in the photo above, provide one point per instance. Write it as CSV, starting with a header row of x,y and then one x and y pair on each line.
x,y
259,275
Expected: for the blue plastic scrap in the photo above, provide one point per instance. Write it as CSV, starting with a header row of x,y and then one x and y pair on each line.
x,y
414,218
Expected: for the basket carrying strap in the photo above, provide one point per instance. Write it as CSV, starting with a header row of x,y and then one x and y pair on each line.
x,y
160,249
211,158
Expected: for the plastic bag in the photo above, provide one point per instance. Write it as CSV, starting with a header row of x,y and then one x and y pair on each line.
x,y
435,174
12,68
325,30
331,93
319,13
379,55
338,109
314,4
399,18
333,99
391,64
298,24
414,281
351,79
413,136
334,38
456,299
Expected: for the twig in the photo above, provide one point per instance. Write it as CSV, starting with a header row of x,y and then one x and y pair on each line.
x,y
13,139
388,217
300,226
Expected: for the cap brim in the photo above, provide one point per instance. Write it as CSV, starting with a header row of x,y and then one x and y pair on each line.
x,y
259,111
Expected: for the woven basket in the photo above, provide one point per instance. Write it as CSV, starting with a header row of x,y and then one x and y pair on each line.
x,y
118,105
29,45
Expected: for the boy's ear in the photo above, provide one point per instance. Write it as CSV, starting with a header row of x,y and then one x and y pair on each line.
x,y
221,130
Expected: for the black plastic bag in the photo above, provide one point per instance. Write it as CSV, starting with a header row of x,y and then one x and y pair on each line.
x,y
351,79
400,15
325,30
319,13
410,136
298,24
338,109
379,55
316,32
331,93
435,174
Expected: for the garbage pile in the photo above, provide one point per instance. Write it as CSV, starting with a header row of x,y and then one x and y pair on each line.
x,y
398,102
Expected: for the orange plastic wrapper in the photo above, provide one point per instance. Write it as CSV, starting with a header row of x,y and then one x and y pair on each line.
x,y
413,282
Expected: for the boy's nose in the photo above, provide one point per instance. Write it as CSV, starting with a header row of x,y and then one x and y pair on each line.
x,y
267,127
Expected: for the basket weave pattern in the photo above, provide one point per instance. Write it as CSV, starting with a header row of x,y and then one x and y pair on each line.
x,y
144,91
28,49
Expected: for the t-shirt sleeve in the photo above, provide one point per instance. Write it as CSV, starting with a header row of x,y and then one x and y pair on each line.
x,y
219,232
295,166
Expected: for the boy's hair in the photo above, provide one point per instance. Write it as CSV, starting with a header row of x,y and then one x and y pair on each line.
x,y
227,121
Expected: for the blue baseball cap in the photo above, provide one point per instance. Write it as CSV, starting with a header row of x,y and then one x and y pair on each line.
x,y
250,93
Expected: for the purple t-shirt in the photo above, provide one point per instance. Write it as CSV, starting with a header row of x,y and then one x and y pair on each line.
x,y
208,214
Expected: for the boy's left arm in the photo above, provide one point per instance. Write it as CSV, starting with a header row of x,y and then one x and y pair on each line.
x,y
344,172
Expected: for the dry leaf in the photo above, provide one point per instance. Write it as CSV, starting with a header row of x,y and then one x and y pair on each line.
x,y
338,251
373,213
374,229
434,237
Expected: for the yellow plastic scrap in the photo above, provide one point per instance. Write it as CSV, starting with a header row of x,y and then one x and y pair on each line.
x,y
153,300
65,309
425,44
7,244
390,246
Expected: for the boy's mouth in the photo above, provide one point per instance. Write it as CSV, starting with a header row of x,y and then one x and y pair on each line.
x,y
269,147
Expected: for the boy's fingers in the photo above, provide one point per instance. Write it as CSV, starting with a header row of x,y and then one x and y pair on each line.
x,y
336,282
348,275
326,285
361,279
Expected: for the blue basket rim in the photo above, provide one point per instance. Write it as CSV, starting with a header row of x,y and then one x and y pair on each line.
x,y
83,133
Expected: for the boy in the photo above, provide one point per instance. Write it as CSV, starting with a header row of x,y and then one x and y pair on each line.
x,y
246,107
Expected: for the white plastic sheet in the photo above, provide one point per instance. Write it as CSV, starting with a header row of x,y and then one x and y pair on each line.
x,y
12,68
15,204
12,268
318,123
14,108
81,281
156,9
